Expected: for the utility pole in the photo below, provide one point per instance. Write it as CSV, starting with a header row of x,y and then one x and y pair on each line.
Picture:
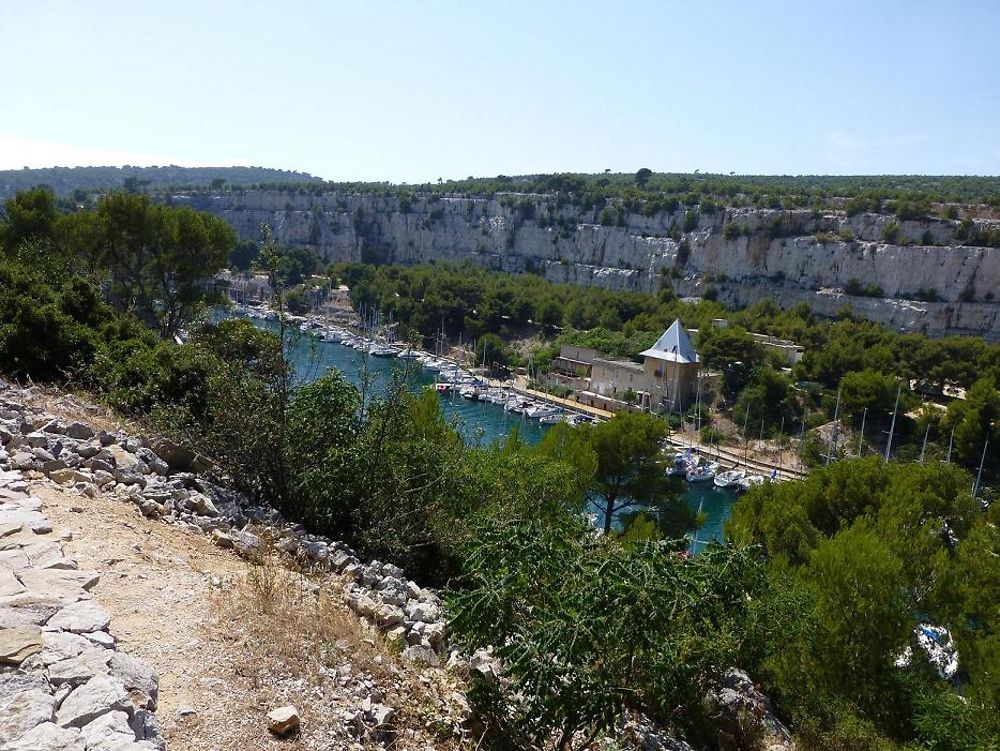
x,y
924,447
892,426
951,442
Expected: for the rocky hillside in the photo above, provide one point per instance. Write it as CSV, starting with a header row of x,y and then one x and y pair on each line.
x,y
918,275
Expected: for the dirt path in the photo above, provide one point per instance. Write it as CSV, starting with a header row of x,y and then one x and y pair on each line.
x,y
155,585
185,606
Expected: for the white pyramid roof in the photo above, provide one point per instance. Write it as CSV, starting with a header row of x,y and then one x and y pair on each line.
x,y
674,346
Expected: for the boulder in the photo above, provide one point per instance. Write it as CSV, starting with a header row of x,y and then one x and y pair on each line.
x,y
421,655
110,732
87,450
17,682
119,456
139,679
24,711
147,728
61,645
59,582
19,643
201,504
82,616
100,638
80,669
98,696
27,609
36,521
732,697
176,456
79,431
48,737
283,720
381,716
9,585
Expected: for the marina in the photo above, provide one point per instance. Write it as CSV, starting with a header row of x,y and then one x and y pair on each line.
x,y
484,410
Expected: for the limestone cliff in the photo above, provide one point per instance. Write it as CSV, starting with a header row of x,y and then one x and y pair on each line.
x,y
923,281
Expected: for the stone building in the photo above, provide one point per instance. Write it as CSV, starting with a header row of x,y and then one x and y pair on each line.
x,y
665,381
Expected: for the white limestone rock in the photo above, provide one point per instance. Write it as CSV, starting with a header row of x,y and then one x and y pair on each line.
x,y
19,643
24,711
283,720
48,737
81,617
139,679
98,696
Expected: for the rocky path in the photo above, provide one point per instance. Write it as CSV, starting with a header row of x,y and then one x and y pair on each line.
x,y
156,559
64,684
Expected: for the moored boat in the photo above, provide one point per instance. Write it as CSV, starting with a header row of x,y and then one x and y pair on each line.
x,y
751,481
729,480
702,473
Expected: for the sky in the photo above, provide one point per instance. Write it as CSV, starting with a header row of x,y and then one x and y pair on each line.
x,y
414,91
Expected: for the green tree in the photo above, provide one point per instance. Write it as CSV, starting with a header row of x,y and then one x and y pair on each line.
x,y
733,351
642,176
160,257
973,418
30,215
588,627
867,389
630,468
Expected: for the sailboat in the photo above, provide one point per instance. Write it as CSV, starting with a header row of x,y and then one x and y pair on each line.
x,y
729,480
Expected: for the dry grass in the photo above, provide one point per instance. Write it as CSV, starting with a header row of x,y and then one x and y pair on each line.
x,y
78,405
290,634
285,624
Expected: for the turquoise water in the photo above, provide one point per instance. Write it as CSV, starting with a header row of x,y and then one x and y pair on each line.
x,y
479,422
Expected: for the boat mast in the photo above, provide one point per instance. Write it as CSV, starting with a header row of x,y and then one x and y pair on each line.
x,y
745,442
951,441
861,438
982,460
892,426
835,435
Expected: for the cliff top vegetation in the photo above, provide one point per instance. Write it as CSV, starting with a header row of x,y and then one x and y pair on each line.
x,y
653,190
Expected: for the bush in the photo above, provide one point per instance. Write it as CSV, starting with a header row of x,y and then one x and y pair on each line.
x,y
587,628
890,233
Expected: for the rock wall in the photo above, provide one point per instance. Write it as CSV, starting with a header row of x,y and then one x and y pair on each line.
x,y
63,682
789,256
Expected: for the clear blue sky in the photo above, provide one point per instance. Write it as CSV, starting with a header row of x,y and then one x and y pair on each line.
x,y
413,91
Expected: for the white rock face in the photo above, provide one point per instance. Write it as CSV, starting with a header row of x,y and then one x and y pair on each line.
x,y
80,617
566,244
23,711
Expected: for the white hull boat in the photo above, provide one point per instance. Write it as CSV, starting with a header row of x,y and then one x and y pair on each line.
x,y
729,480
703,473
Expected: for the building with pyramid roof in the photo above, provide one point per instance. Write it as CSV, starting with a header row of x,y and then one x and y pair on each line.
x,y
666,380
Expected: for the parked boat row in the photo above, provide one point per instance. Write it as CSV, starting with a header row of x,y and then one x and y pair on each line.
x,y
692,468
449,375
